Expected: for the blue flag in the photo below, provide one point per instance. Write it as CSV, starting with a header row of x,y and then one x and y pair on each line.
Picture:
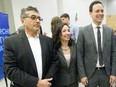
x,y
4,32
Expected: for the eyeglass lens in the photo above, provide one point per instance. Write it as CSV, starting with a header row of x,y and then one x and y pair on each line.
x,y
34,17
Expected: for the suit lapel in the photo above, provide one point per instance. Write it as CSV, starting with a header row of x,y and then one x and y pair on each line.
x,y
62,58
43,47
27,50
71,55
105,35
90,28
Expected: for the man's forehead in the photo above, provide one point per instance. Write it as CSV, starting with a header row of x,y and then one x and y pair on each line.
x,y
32,13
63,18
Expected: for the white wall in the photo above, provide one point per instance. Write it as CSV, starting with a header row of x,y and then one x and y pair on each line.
x,y
8,9
81,7
111,7
1,6
56,7
47,10
59,7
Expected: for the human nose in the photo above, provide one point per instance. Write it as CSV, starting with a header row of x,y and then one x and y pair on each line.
x,y
37,20
68,32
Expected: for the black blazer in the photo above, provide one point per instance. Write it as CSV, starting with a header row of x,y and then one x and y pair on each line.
x,y
67,76
19,63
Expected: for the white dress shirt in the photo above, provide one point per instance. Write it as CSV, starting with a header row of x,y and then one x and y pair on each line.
x,y
95,35
36,50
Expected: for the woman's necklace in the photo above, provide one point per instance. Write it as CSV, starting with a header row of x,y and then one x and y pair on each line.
x,y
65,48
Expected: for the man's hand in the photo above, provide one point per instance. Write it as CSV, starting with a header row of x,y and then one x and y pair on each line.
x,y
44,83
84,81
112,79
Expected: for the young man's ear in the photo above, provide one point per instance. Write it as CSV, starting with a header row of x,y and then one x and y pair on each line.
x,y
22,20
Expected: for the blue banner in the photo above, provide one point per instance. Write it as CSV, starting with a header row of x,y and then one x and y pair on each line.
x,y
4,32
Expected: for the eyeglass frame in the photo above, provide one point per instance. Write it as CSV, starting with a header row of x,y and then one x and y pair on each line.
x,y
36,17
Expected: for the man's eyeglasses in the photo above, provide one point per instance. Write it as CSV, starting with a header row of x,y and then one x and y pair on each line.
x,y
34,17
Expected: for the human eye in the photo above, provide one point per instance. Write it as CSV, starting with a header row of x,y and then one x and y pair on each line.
x,y
33,17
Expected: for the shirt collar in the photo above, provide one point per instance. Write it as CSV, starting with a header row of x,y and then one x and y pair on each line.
x,y
94,25
28,36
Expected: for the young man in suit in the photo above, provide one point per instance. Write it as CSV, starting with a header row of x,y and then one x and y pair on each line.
x,y
96,50
28,57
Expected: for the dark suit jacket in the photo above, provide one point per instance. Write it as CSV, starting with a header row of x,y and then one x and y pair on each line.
x,y
87,51
19,63
65,75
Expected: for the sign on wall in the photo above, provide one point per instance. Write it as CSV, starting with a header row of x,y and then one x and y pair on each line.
x,y
4,32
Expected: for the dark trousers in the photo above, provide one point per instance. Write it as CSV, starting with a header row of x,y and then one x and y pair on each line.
x,y
99,79
72,85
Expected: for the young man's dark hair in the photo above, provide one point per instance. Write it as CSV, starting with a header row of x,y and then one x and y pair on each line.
x,y
65,15
92,4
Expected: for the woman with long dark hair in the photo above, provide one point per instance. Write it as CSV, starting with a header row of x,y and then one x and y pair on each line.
x,y
67,74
